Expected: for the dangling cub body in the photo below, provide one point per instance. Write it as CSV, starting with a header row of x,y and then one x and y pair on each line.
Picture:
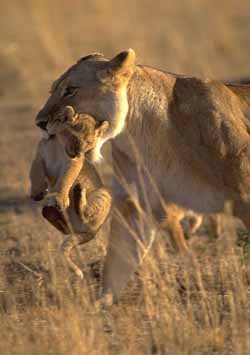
x,y
62,175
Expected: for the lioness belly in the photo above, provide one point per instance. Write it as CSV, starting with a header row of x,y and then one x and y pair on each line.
x,y
192,193
183,190
174,182
162,180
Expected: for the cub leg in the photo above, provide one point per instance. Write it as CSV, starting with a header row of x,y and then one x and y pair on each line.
x,y
93,213
71,242
94,209
66,180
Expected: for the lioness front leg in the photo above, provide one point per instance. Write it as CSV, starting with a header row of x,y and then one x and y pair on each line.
x,y
38,178
128,245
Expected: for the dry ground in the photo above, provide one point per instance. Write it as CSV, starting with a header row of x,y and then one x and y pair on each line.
x,y
174,305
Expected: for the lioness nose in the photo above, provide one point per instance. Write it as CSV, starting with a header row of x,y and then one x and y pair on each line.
x,y
42,125
42,119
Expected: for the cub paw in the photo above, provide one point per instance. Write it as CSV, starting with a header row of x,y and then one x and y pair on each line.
x,y
58,201
62,202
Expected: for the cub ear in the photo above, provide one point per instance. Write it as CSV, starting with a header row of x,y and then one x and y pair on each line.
x,y
122,64
70,114
102,127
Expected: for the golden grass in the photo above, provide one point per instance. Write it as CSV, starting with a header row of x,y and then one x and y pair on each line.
x,y
174,305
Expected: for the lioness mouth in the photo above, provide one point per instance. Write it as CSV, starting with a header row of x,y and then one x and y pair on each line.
x,y
46,135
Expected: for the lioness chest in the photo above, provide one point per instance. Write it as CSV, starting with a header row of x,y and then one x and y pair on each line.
x,y
55,160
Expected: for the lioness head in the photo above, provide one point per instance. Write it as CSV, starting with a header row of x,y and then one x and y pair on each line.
x,y
96,86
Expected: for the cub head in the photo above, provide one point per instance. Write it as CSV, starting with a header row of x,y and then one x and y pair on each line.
x,y
65,115
80,132
96,86
88,130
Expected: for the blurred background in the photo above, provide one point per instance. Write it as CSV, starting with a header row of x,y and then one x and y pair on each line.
x,y
40,38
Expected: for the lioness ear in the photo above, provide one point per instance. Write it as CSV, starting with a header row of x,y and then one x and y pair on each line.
x,y
121,64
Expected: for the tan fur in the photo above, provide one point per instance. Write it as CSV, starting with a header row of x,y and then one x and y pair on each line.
x,y
179,141
72,181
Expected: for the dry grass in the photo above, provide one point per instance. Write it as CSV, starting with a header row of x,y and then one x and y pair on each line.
x,y
174,305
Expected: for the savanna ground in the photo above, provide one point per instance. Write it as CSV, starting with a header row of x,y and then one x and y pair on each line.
x,y
174,305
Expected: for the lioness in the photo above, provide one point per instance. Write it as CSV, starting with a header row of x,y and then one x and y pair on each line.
x,y
72,182
174,140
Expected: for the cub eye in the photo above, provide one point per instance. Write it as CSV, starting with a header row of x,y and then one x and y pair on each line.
x,y
69,91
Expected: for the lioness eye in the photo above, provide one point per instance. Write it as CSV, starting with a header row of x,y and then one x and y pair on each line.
x,y
69,91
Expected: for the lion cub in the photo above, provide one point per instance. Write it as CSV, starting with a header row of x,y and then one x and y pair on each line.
x,y
62,175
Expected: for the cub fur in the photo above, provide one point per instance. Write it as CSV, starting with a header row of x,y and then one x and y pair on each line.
x,y
61,173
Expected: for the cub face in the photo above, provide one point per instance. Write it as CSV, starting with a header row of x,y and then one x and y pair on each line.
x,y
79,133
87,130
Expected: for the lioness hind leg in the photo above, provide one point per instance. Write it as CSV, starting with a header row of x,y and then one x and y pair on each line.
x,y
195,223
191,222
71,242
37,177
172,224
